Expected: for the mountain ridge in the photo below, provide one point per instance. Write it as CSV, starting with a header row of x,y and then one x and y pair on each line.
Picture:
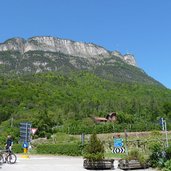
x,y
46,53
66,46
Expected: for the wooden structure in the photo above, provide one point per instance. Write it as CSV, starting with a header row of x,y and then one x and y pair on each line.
x,y
111,117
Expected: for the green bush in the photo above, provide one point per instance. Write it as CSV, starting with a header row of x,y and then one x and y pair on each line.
x,y
136,155
62,149
167,166
17,148
94,149
157,157
168,153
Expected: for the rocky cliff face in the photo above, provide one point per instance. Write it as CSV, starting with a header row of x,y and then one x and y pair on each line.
x,y
128,58
85,50
15,44
44,54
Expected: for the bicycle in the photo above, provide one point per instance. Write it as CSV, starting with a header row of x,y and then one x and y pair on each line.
x,y
7,156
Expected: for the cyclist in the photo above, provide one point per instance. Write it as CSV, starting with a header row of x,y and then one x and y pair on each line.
x,y
9,143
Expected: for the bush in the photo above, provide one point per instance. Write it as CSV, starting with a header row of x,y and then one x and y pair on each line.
x,y
62,149
157,156
136,155
168,153
17,148
94,149
167,166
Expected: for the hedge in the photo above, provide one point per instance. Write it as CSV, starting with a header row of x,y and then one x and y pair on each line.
x,y
17,148
62,149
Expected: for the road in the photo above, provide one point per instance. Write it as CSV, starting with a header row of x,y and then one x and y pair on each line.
x,y
49,163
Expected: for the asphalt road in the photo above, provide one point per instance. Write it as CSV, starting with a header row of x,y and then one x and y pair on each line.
x,y
49,163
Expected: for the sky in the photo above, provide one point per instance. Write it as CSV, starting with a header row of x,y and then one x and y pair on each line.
x,y
138,27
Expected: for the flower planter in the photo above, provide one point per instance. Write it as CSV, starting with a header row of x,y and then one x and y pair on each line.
x,y
98,165
131,164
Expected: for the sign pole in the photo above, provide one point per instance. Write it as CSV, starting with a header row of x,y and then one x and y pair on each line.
x,y
118,145
26,132
82,138
126,139
165,126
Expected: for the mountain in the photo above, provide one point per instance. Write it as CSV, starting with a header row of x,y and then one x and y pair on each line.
x,y
85,80
42,54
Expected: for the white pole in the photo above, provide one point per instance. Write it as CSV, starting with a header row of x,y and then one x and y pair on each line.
x,y
167,144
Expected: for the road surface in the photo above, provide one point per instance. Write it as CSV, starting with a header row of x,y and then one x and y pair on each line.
x,y
49,163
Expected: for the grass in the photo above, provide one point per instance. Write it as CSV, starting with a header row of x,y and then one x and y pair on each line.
x,y
136,140
115,156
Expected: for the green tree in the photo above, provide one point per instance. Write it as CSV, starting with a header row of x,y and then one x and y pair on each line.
x,y
94,149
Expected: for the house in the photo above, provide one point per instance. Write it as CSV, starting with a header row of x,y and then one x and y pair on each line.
x,y
111,117
99,120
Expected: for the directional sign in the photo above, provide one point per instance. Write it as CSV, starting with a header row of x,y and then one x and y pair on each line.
x,y
25,131
162,122
119,150
118,142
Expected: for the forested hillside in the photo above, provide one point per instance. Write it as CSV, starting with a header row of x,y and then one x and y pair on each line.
x,y
66,102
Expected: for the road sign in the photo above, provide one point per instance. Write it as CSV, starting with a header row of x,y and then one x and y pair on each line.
x,y
119,150
118,142
25,144
25,131
161,122
33,130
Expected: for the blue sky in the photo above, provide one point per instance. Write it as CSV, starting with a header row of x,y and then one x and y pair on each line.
x,y
139,27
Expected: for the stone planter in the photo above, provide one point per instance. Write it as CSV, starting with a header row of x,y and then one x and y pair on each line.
x,y
131,164
98,165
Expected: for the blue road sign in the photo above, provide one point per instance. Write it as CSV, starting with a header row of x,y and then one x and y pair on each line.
x,y
161,121
25,144
118,142
25,131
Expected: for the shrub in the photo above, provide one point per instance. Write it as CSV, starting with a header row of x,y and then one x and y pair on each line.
x,y
62,149
168,153
17,148
136,155
157,156
94,149
167,166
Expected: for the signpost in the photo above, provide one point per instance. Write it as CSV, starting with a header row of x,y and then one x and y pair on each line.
x,y
126,139
33,130
25,132
82,138
118,142
25,136
164,128
118,145
161,122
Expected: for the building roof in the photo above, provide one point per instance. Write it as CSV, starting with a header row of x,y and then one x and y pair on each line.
x,y
100,119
